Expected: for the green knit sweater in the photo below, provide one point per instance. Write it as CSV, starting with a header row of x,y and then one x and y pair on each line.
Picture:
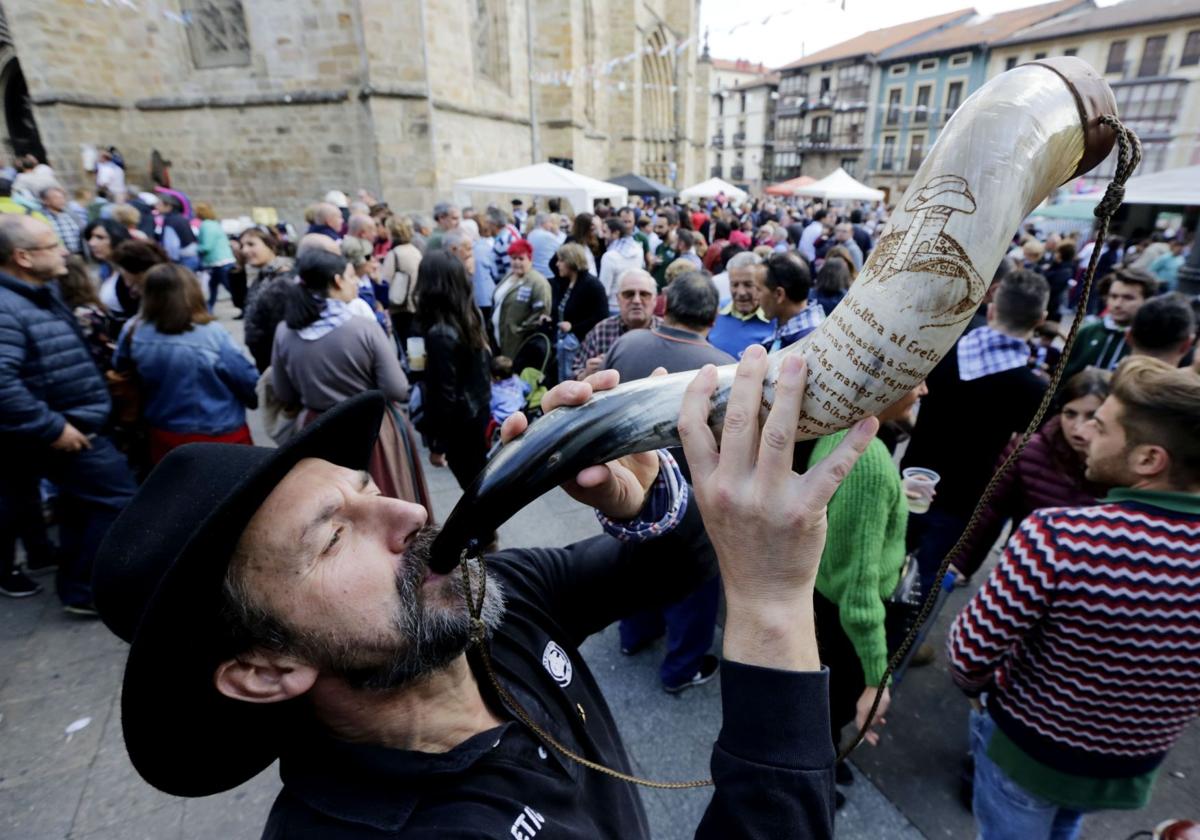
x,y
864,550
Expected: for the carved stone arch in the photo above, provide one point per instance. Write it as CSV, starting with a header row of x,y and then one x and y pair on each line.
x,y
658,113
489,40
21,133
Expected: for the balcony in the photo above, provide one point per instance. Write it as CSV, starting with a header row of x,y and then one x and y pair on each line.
x,y
718,141
739,139
790,106
824,141
737,173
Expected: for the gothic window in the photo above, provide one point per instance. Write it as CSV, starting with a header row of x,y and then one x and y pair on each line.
x,y
217,33
489,38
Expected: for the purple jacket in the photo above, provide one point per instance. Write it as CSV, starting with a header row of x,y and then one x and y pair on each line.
x,y
1048,473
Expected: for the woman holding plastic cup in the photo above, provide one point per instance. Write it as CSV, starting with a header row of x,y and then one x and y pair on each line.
x,y
1049,472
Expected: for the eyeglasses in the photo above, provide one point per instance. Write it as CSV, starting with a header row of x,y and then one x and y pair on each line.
x,y
631,294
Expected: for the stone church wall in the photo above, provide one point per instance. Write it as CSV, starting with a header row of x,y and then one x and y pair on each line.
x,y
321,94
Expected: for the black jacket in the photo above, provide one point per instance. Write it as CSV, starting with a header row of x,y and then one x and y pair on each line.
x,y
47,375
586,306
772,764
458,381
962,428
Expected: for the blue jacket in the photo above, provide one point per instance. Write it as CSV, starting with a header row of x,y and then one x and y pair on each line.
x,y
196,382
47,375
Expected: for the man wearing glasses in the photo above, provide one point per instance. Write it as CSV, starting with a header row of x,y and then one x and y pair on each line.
x,y
54,407
636,292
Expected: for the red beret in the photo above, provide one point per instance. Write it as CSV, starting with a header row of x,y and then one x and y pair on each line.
x,y
520,247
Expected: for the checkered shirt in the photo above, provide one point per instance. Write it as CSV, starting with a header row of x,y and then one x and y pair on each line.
x,y
601,339
802,323
984,351
664,508
67,229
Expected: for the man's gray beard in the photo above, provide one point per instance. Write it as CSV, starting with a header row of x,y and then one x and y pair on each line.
x,y
424,638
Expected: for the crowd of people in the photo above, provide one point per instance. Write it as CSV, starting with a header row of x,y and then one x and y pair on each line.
x,y
111,357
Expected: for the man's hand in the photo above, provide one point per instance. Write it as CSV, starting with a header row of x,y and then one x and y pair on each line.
x,y
864,706
71,440
591,366
766,523
616,489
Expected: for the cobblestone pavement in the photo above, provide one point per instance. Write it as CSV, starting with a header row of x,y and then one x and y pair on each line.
x,y
64,772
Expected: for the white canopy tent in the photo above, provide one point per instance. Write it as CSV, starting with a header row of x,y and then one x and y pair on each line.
x,y
712,188
840,186
1180,187
544,180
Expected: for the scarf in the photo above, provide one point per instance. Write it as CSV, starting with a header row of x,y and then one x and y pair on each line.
x,y
333,314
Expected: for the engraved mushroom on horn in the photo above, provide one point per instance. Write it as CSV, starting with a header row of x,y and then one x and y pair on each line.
x,y
926,247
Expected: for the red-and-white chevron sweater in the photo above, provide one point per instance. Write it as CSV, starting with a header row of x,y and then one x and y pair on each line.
x,y
1086,635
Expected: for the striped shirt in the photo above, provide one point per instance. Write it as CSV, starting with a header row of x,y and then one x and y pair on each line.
x,y
1085,634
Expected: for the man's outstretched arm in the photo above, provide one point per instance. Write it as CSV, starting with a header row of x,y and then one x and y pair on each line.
x,y
773,761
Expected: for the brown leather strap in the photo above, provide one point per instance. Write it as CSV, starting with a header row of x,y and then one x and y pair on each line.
x,y
1094,99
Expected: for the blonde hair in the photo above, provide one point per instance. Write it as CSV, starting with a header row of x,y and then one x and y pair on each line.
x,y
680,266
574,255
400,229
205,211
1033,250
1161,406
126,215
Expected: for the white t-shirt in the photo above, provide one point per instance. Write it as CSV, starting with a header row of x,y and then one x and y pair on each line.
x,y
111,177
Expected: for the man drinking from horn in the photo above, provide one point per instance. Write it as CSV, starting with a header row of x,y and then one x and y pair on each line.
x,y
287,610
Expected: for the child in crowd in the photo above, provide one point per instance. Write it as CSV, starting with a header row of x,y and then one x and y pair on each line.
x,y
509,392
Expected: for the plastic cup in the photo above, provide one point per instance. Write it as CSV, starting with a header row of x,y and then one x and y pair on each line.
x,y
919,484
415,349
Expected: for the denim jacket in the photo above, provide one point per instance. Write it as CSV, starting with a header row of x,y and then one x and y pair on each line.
x,y
196,382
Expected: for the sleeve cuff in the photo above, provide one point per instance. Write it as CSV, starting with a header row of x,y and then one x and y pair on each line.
x,y
665,505
776,718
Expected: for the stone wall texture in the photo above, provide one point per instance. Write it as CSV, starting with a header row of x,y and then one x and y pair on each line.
x,y
402,97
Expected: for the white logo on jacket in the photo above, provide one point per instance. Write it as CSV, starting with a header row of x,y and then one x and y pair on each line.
x,y
527,824
554,660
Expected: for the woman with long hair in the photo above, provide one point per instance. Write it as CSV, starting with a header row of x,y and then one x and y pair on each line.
x,y
457,388
269,279
133,258
196,384
583,232
79,294
833,280
1049,472
102,238
327,354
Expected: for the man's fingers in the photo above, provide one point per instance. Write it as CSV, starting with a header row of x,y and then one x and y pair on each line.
x,y
603,380
823,480
658,371
513,426
776,447
566,393
699,445
739,437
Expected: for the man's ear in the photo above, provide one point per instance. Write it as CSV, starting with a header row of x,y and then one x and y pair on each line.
x,y
1149,460
259,677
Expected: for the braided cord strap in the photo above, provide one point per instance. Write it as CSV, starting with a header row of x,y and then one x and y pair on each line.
x,y
479,641
1129,155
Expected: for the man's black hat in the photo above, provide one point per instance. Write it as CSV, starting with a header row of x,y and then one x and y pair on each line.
x,y
159,581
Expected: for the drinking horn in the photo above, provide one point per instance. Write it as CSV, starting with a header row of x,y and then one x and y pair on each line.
x,y
1005,149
